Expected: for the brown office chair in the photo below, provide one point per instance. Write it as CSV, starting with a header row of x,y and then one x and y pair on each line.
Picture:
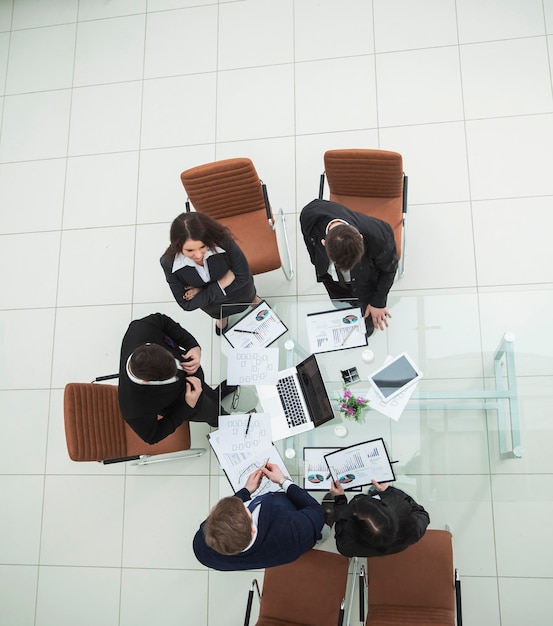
x,y
96,431
370,182
416,586
231,192
307,592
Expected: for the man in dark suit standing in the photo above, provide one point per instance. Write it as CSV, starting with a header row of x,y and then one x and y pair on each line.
x,y
161,383
354,256
276,528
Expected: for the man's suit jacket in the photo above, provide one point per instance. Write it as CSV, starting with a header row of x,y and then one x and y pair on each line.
x,y
218,264
351,541
141,404
289,524
373,276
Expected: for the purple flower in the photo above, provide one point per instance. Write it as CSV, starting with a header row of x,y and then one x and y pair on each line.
x,y
361,400
350,411
347,393
343,406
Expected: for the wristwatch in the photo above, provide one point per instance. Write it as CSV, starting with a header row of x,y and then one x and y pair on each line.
x,y
283,480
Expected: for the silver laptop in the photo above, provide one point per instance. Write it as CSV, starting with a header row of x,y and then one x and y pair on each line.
x,y
298,402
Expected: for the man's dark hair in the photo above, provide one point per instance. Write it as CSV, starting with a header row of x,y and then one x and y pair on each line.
x,y
228,529
153,362
344,246
376,524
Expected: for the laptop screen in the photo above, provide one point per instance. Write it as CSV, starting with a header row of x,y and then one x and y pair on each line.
x,y
314,391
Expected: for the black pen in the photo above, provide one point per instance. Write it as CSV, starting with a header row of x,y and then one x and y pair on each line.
x,y
248,425
250,332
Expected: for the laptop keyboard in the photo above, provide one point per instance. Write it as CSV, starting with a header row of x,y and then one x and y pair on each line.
x,y
293,410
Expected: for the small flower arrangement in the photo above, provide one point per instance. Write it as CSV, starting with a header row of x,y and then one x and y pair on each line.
x,y
352,406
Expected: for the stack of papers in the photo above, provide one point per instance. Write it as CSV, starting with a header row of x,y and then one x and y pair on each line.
x,y
242,445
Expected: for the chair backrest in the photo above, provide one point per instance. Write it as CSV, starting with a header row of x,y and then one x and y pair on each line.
x,y
96,431
370,182
307,592
231,192
419,581
94,428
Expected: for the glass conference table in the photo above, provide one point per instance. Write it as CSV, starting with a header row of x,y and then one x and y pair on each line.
x,y
463,372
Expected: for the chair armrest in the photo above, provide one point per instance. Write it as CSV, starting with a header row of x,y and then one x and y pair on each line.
x,y
362,582
121,459
107,377
253,586
405,185
458,599
321,186
267,205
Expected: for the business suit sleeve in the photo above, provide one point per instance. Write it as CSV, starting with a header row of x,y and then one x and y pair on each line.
x,y
386,263
307,234
151,430
243,494
309,517
418,517
380,257
239,265
172,329
177,286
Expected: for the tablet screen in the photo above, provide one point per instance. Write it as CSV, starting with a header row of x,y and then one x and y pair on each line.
x,y
391,379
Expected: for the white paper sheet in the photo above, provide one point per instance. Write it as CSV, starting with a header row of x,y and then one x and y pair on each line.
x,y
252,367
245,433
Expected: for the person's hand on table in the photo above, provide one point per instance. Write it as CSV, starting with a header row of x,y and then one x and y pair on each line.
x,y
379,316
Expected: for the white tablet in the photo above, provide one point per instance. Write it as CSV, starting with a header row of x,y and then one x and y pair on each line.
x,y
393,378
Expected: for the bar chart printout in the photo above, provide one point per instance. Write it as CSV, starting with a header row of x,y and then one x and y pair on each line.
x,y
357,465
316,474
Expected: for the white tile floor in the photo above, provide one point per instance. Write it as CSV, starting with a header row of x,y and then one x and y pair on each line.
x,y
102,104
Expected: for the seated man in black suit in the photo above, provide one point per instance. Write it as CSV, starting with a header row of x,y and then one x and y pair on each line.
x,y
354,256
161,383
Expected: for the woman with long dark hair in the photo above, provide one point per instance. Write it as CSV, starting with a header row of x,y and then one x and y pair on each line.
x,y
384,521
205,268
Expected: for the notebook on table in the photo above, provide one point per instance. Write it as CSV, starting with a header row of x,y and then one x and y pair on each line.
x,y
298,402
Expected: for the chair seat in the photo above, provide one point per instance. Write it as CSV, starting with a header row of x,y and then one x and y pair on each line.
x,y
177,441
386,615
